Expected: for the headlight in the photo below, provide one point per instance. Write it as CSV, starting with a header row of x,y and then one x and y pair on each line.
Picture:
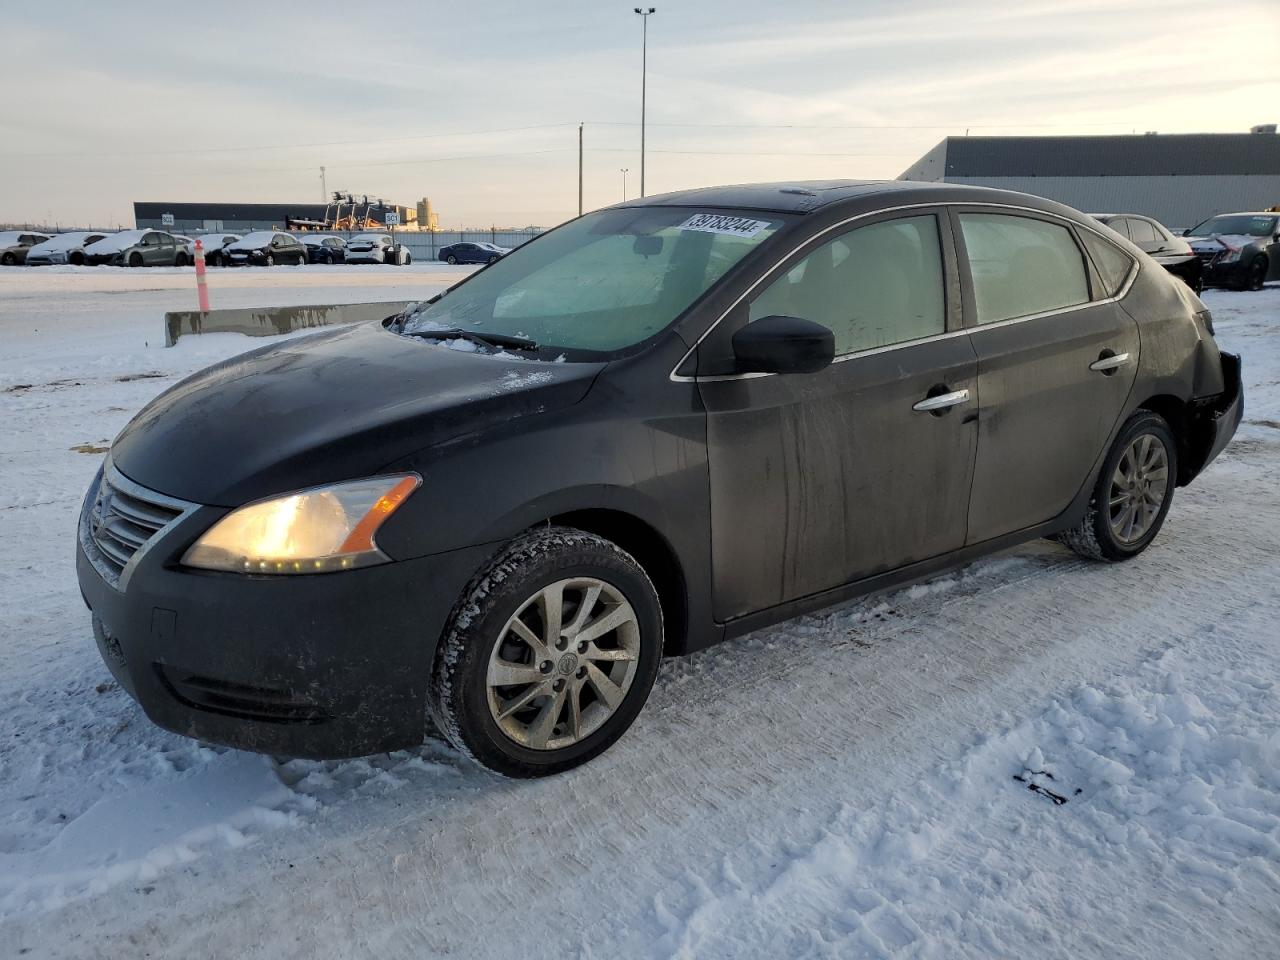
x,y
312,531
1231,256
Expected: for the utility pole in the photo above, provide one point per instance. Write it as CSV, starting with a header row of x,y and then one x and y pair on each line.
x,y
644,67
579,169
624,183
324,189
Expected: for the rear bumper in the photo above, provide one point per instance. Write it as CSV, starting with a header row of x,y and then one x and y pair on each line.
x,y
324,666
1214,420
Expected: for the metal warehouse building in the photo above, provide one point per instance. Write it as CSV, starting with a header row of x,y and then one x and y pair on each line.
x,y
1180,179
241,217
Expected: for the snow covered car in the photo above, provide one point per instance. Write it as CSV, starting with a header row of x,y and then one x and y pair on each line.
x,y
377,248
472,253
137,248
264,248
324,248
212,245
659,425
1239,250
64,248
14,245
1156,240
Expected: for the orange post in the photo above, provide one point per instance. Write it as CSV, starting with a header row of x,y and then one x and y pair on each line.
x,y
202,289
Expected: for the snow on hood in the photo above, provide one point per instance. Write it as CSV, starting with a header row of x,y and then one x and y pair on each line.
x,y
369,238
1232,241
117,242
64,241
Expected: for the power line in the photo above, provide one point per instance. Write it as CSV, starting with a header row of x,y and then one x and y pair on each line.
x,y
862,126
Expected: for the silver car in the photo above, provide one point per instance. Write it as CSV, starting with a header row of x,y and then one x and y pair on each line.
x,y
64,248
14,245
377,248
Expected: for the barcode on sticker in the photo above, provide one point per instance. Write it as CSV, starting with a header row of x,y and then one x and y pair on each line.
x,y
718,223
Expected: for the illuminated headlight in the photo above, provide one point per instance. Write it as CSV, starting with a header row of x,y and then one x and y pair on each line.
x,y
320,530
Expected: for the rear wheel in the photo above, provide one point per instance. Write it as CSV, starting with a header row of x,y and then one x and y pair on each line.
x,y
1132,495
180,260
76,259
492,260
451,259
8,259
550,654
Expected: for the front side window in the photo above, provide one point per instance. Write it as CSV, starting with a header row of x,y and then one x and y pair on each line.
x,y
605,281
1021,266
873,286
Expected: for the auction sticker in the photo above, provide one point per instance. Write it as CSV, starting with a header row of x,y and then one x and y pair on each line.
x,y
718,223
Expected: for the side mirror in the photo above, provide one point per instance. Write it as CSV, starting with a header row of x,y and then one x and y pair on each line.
x,y
647,245
783,345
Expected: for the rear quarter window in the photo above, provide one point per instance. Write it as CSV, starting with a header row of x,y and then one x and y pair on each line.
x,y
1112,263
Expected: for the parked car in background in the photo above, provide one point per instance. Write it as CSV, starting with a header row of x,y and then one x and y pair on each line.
x,y
212,245
472,253
137,248
64,248
672,421
1156,240
377,248
264,248
323,248
1239,250
14,245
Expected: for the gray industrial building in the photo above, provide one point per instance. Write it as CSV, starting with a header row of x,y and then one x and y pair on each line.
x,y
243,217
1180,178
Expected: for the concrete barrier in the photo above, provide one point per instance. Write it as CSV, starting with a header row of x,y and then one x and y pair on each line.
x,y
273,321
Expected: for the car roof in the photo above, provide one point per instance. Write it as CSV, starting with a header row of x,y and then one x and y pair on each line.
x,y
811,196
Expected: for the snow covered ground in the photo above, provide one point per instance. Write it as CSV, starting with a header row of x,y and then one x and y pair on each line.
x,y
1033,756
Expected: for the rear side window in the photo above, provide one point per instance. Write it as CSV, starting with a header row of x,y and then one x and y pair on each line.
x,y
1113,264
1140,232
1022,266
874,286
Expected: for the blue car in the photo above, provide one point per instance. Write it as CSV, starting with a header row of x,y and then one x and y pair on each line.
x,y
472,253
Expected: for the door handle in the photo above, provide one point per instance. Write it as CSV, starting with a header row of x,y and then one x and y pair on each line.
x,y
943,401
1109,362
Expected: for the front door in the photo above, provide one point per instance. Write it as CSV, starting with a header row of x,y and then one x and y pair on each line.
x,y
821,479
1057,356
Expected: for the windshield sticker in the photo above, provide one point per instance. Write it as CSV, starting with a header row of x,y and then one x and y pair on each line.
x,y
730,226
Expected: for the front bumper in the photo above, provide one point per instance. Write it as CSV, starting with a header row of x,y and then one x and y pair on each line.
x,y
255,259
323,666
107,259
365,256
1219,274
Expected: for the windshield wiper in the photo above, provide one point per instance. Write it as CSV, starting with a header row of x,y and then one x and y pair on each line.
x,y
491,340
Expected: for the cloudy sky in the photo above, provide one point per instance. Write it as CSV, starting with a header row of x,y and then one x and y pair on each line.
x,y
476,104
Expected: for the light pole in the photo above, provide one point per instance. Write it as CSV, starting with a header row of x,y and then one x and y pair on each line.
x,y
624,183
645,13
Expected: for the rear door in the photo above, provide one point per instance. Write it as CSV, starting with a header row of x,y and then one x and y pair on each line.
x,y
821,479
1056,360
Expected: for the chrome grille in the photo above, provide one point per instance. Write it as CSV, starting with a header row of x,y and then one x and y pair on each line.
x,y
122,520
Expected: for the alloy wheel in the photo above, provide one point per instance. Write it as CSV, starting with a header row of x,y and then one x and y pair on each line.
x,y
563,663
1138,488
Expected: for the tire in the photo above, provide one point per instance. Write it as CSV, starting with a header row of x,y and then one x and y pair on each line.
x,y
180,260
408,258
1098,536
135,259
76,259
491,260
548,562
1257,276
7,260
270,260
451,259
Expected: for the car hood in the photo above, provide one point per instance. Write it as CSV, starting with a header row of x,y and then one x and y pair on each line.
x,y
1230,240
331,406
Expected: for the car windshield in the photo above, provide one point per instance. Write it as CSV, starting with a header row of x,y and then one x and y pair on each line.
x,y
258,238
1238,226
602,282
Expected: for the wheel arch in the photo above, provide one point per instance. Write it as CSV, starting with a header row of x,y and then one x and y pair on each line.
x,y
1176,413
654,554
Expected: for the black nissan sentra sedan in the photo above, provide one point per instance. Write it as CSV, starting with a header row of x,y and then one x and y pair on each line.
x,y
663,424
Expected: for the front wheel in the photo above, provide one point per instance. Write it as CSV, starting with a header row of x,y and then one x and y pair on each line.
x,y
1257,276
1132,495
135,259
270,260
549,656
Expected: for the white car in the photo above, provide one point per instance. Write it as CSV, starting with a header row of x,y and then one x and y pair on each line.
x,y
377,248
64,248
212,244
